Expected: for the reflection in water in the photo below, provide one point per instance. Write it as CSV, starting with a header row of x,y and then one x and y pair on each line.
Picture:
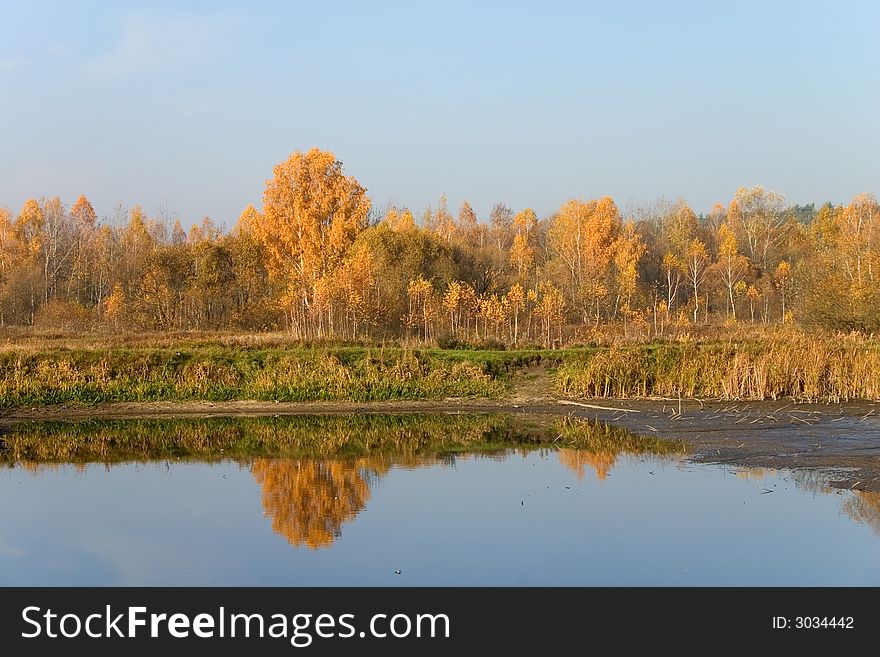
x,y
756,474
598,445
864,507
225,438
576,459
316,473
309,500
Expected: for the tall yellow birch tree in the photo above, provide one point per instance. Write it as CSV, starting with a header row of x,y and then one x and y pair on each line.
x,y
312,212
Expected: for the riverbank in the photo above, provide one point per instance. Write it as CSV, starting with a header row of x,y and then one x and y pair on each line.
x,y
85,372
830,420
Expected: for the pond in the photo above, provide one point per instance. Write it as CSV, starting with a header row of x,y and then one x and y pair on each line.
x,y
411,501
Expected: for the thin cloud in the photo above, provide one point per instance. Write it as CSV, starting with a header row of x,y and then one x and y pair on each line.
x,y
150,44
12,63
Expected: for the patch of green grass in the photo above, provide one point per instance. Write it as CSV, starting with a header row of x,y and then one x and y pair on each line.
x,y
218,373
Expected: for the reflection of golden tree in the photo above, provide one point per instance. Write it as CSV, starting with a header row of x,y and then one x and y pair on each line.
x,y
576,459
309,500
35,467
755,474
864,507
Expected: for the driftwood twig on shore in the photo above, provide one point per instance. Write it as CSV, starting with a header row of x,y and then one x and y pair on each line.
x,y
601,408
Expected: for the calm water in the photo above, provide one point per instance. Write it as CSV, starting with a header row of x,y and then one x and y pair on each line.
x,y
533,516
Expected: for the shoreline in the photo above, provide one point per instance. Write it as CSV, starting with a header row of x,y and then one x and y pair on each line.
x,y
842,438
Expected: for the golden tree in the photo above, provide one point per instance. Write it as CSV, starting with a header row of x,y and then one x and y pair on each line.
x,y
731,265
582,236
29,228
522,252
549,308
756,215
247,220
356,283
113,306
467,222
443,223
10,254
858,238
136,245
680,226
782,280
312,212
421,311
752,295
628,250
83,248
253,293
516,302
457,300
494,311
83,212
697,261
44,228
399,220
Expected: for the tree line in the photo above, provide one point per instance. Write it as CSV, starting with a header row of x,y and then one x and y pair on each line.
x,y
318,260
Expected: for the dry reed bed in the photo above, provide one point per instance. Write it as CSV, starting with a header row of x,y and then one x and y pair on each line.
x,y
809,369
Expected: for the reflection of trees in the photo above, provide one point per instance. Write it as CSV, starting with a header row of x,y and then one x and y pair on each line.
x,y
598,445
309,500
36,468
576,459
755,474
864,506
221,438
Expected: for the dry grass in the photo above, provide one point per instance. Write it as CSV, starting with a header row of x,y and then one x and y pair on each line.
x,y
803,368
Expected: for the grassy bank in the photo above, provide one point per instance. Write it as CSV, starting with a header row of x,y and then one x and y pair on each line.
x,y
87,376
40,370
804,368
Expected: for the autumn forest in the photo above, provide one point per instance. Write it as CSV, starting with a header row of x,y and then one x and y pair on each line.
x,y
318,260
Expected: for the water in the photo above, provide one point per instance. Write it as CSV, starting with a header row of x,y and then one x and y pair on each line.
x,y
524,515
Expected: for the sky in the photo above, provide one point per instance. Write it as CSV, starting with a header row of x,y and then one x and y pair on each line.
x,y
187,106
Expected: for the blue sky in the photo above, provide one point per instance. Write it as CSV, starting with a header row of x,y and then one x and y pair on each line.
x,y
191,104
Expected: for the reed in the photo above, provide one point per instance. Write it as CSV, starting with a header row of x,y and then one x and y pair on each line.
x,y
809,369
